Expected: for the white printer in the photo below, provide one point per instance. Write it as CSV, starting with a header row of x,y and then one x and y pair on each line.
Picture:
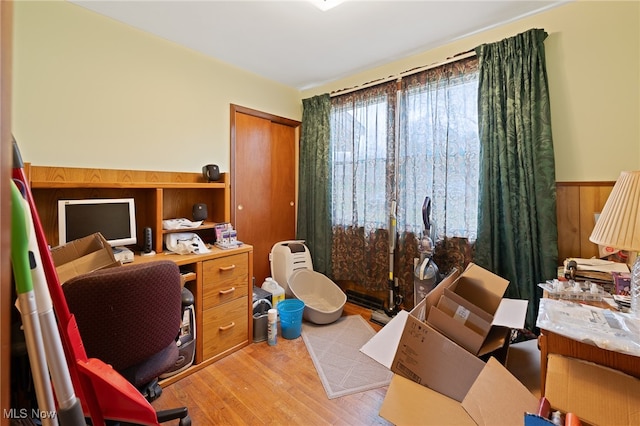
x,y
123,254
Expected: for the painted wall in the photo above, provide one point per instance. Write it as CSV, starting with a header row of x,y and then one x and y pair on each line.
x,y
91,92
593,64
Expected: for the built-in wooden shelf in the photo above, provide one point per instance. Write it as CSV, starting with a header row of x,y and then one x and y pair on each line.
x,y
158,196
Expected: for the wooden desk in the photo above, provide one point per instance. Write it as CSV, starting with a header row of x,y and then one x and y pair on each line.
x,y
221,282
553,343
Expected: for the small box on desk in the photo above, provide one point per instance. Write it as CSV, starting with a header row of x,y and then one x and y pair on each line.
x,y
83,255
622,283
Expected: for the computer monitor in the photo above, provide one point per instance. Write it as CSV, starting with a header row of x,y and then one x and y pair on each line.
x,y
114,218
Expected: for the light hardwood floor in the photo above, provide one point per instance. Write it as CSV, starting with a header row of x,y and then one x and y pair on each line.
x,y
275,385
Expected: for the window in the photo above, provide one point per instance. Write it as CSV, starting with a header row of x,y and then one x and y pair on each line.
x,y
362,153
433,151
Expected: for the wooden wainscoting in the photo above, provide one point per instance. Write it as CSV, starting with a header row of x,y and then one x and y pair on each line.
x,y
577,203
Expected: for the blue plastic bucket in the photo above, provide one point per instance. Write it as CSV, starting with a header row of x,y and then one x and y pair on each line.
x,y
290,311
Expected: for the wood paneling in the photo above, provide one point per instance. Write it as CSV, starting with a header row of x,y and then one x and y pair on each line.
x,y
577,203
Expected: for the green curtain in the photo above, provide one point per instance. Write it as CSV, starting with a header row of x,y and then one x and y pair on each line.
x,y
517,227
314,182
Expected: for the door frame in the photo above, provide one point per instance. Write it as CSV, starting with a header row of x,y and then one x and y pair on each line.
x,y
232,167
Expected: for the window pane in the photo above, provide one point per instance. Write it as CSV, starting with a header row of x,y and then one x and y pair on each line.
x,y
360,141
438,152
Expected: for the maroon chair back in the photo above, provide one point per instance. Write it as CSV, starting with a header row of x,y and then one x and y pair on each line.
x,y
128,316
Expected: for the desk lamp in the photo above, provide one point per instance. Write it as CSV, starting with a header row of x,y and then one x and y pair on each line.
x,y
619,226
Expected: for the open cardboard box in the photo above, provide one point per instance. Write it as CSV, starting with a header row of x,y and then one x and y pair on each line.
x,y
412,347
474,284
472,312
82,256
597,395
439,382
490,396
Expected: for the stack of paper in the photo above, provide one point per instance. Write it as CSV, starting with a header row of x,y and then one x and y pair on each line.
x,y
598,270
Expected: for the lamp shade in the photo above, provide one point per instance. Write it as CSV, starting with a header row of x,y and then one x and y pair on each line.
x,y
619,223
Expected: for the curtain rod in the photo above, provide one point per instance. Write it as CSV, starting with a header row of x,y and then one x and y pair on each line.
x,y
458,57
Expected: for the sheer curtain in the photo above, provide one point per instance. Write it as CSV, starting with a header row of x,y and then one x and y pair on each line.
x,y
439,149
363,162
438,157
403,141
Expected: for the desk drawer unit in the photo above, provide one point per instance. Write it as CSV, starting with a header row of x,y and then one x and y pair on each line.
x,y
225,279
225,303
225,327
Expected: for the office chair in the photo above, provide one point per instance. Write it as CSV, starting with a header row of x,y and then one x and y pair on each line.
x,y
129,317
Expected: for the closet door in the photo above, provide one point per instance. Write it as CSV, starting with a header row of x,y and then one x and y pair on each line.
x,y
263,182
6,157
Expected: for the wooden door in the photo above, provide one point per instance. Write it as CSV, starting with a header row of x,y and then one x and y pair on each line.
x,y
263,182
6,157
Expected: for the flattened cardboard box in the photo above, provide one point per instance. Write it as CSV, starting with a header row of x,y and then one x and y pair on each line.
x,y
472,312
81,256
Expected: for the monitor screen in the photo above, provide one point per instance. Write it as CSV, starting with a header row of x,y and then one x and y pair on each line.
x,y
114,218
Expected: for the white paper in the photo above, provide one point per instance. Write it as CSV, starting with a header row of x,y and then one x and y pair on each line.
x,y
181,223
382,347
599,265
511,313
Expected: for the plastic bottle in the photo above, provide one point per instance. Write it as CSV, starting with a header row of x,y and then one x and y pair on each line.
x,y
272,327
635,289
277,292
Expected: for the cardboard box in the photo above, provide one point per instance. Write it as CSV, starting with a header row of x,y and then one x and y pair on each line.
x,y
384,345
412,348
430,359
472,312
596,394
81,256
493,397
440,382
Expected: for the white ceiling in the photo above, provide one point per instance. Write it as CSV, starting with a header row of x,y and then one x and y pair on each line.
x,y
298,45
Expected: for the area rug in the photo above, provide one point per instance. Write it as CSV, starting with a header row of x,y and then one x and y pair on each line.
x,y
335,351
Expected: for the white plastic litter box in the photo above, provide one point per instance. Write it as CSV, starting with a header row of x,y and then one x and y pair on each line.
x,y
292,268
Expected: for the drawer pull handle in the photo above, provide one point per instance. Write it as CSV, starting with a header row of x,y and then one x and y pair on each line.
x,y
231,290
227,327
227,268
